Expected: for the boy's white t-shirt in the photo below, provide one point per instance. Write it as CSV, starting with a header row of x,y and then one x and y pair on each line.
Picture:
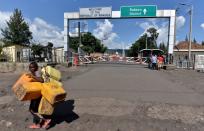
x,y
38,74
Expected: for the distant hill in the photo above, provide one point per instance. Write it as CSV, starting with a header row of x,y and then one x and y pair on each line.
x,y
113,51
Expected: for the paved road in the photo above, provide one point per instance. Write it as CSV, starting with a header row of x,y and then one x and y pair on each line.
x,y
133,83
116,97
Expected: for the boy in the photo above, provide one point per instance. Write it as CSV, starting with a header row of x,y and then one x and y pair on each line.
x,y
38,119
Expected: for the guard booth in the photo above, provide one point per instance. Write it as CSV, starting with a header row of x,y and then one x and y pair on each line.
x,y
149,52
145,54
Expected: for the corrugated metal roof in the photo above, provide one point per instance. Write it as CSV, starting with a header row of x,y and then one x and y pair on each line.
x,y
184,45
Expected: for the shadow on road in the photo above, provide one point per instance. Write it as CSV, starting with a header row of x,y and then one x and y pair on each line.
x,y
64,112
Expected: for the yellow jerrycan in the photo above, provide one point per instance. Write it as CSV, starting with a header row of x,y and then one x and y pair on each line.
x,y
53,93
57,83
29,91
24,78
45,108
51,72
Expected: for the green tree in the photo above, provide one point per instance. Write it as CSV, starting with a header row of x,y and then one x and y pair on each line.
x,y
186,39
48,50
163,47
17,30
194,40
203,43
74,43
141,42
37,50
134,50
89,43
153,37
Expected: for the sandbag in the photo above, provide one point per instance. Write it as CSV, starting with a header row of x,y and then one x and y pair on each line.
x,y
28,91
51,72
53,93
45,108
24,78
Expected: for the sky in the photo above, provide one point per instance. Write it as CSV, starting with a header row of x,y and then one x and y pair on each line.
x,y
46,20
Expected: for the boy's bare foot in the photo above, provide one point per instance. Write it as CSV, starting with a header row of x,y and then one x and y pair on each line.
x,y
34,126
46,123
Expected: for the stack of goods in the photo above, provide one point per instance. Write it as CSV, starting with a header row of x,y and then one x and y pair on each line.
x,y
27,88
52,90
52,75
51,94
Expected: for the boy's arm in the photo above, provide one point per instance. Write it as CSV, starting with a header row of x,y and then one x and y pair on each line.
x,y
39,79
38,76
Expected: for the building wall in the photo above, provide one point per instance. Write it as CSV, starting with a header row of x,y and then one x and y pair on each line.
x,y
11,53
58,55
183,55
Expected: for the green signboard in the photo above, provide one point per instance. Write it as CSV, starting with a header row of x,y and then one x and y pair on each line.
x,y
138,11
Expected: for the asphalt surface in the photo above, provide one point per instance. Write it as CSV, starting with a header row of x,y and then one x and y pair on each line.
x,y
133,83
115,97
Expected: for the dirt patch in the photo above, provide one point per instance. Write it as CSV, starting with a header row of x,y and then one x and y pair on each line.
x,y
103,106
185,114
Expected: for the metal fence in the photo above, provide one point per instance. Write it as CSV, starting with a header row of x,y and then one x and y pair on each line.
x,y
184,64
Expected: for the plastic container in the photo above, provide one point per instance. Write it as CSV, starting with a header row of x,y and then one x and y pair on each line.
x,y
51,72
29,91
24,78
45,108
53,93
51,80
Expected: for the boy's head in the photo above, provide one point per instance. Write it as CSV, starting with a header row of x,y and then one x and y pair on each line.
x,y
33,67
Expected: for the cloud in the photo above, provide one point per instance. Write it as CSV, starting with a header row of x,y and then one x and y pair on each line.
x,y
45,32
146,25
163,33
180,21
4,18
104,32
162,27
42,31
128,46
202,25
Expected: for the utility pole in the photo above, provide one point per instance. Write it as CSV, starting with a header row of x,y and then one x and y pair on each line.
x,y
175,28
79,34
190,34
146,43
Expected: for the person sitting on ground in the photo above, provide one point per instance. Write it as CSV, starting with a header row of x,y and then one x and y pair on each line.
x,y
38,120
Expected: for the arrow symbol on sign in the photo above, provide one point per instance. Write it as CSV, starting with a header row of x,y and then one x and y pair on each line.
x,y
145,11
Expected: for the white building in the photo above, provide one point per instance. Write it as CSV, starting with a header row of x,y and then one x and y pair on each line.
x,y
181,50
58,54
16,53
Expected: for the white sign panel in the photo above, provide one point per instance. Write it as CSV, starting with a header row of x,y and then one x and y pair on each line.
x,y
199,62
96,12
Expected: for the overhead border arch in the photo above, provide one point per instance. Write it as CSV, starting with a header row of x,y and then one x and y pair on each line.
x,y
171,14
